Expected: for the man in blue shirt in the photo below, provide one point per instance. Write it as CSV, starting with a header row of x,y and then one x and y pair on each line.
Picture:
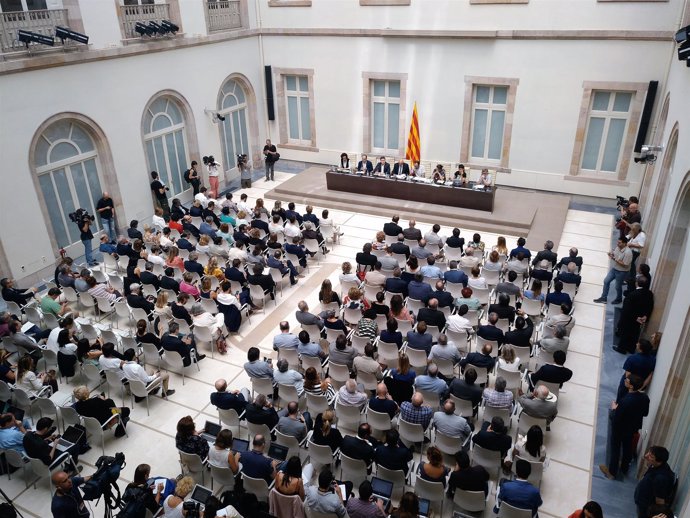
x,y
308,348
520,248
430,269
11,433
557,296
520,493
67,501
454,275
255,464
396,284
430,382
382,402
418,289
419,339
641,364
286,339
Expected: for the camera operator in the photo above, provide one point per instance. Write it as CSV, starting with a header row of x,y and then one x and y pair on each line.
x,y
245,171
213,168
86,236
160,193
272,156
630,213
67,501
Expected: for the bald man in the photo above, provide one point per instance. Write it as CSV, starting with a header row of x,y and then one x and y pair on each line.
x,y
540,404
415,411
226,400
432,315
383,402
450,424
67,501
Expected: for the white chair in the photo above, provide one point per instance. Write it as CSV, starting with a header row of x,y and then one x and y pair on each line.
x,y
463,407
411,433
312,361
525,422
96,431
508,511
287,393
258,486
433,399
259,429
317,404
404,326
359,343
414,305
331,334
470,501
448,445
33,315
257,293
503,413
349,417
388,353
262,386
223,477
513,378
151,355
68,416
230,417
379,422
397,477
320,454
445,367
16,460
204,335
173,361
367,379
44,407
192,464
494,346
115,384
354,470
352,316
489,460
338,373
432,491
418,358
291,355
536,473
290,442
137,388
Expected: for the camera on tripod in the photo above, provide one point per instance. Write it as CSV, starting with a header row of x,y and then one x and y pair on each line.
x,y
191,508
80,216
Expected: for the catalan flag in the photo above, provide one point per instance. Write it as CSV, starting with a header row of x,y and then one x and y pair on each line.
x,y
414,146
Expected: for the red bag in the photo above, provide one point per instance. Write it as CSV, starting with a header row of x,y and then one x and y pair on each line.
x,y
361,275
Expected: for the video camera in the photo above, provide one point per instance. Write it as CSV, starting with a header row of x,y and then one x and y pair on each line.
x,y
209,161
622,202
191,508
80,215
241,160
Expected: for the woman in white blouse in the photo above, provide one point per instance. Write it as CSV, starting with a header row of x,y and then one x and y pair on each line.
x,y
221,455
476,281
347,275
528,447
29,382
508,360
493,262
636,241
213,172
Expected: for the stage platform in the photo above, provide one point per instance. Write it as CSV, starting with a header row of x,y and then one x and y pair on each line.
x,y
536,216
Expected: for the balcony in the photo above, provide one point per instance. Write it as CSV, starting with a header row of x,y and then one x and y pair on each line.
x,y
131,14
223,15
41,21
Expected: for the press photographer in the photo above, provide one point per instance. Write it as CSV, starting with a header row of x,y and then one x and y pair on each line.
x,y
213,168
83,220
630,213
245,171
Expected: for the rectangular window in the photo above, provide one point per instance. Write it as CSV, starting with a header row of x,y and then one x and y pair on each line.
x,y
488,121
8,6
609,114
385,121
298,109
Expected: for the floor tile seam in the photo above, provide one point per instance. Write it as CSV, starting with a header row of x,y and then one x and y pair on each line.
x,y
588,223
563,463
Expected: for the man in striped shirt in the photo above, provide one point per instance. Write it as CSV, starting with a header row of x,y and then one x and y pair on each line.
x,y
103,291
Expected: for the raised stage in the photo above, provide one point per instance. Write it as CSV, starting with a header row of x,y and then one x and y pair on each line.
x,y
535,215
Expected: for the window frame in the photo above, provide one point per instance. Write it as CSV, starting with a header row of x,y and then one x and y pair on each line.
x,y
502,165
368,79
25,7
639,91
229,158
281,96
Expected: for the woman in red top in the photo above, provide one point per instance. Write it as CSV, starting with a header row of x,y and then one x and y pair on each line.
x,y
174,260
175,224
590,510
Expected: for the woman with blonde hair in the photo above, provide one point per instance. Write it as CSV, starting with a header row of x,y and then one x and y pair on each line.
x,y
162,309
29,382
325,433
501,246
174,260
213,269
404,372
493,262
355,299
346,274
172,505
202,245
508,360
101,409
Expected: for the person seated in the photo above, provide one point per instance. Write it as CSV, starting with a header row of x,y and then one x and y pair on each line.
x,y
444,350
360,447
572,257
224,400
399,311
399,247
139,490
535,293
375,278
467,477
554,372
265,281
379,306
255,464
476,281
392,453
541,271
418,289
283,375
391,334
367,326
466,299
465,388
17,295
175,341
430,270
136,300
382,167
517,264
294,423
307,347
433,470
382,402
520,493
332,321
557,296
305,318
346,274
419,339
520,248
325,433
327,295
490,332
403,372
261,411
455,276
310,216
365,259
418,170
449,424
458,322
367,364
439,174
340,353
365,506
540,404
460,176
289,478
351,395
493,436
327,498
12,432
529,447
430,382
147,375
30,382
563,318
558,342
521,335
508,360
100,408
498,397
570,276
401,168
415,411
421,252
392,228
503,309
313,384
285,339
480,360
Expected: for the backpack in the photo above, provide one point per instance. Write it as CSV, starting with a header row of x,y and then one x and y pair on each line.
x,y
105,476
186,176
134,499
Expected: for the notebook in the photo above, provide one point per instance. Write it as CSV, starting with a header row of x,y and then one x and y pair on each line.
x,y
240,445
200,494
278,452
71,437
382,489
211,431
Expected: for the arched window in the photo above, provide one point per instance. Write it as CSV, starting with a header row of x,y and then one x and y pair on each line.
x,y
67,165
166,147
233,130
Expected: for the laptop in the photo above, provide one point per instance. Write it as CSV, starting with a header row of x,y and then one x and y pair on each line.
x,y
424,507
278,452
240,445
71,437
382,489
200,494
211,431
18,413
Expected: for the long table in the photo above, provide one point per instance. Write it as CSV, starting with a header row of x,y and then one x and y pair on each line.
x,y
463,197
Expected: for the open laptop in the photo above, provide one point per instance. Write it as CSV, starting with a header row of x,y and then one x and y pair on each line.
x,y
424,507
239,445
200,494
71,437
278,452
18,413
382,489
210,432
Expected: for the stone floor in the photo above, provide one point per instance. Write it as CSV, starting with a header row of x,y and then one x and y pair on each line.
x,y
567,483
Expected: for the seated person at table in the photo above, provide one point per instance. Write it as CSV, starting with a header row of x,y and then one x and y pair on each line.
x,y
417,169
365,165
383,167
439,175
460,175
401,168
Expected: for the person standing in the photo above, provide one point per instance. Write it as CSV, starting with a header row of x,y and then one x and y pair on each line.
x,y
106,210
271,154
656,486
86,237
194,177
622,257
626,419
160,194
213,169
245,172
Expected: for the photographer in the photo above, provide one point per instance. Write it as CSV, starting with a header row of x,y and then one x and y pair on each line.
x,y
245,171
160,194
272,156
84,223
213,168
630,213
67,501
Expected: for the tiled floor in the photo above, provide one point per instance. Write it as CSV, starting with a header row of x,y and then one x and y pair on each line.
x,y
570,444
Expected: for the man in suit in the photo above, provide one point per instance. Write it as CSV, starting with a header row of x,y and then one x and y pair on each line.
x,y
360,447
627,419
305,318
400,247
168,281
540,404
292,213
411,233
193,265
136,300
419,339
395,284
455,241
541,271
234,273
174,341
382,167
401,168
393,455
236,400
284,267
467,477
454,275
547,254
298,250
572,257
444,298
265,281
392,228
465,388
557,296
637,308
490,331
310,216
509,287
365,165
554,372
503,309
259,223
570,276
148,277
432,315
520,493
522,333
482,360
418,289
493,437
261,411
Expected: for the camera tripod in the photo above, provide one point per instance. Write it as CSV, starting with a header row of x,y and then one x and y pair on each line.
x,y
9,502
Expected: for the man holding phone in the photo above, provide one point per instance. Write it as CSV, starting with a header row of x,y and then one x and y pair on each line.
x,y
328,497
622,257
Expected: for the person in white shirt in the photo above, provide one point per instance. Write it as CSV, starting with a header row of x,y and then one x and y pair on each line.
x,y
214,169
133,371
158,220
433,237
508,360
109,362
205,319
243,206
165,241
457,323
476,281
52,342
484,178
292,229
155,258
201,197
417,170
346,275
276,227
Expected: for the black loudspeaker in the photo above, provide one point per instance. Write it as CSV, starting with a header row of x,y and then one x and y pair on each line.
x,y
646,115
269,93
